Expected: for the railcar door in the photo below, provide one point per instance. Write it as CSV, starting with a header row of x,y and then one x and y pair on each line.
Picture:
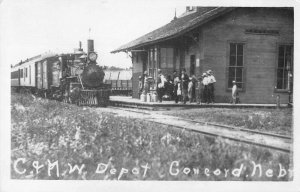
x,y
39,80
56,70
19,77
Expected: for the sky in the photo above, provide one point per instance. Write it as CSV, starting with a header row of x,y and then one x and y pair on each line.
x,y
32,27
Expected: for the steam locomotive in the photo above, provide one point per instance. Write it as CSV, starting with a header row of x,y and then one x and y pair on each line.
x,y
72,78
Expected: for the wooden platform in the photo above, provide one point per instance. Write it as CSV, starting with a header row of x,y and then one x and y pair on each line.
x,y
124,101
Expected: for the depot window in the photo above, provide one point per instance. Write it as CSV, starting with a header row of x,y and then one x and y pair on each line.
x,y
284,69
236,65
166,57
152,62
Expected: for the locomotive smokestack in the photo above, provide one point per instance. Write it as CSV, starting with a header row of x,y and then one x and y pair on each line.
x,y
80,46
90,44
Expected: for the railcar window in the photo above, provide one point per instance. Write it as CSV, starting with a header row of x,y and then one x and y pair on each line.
x,y
15,74
21,73
29,74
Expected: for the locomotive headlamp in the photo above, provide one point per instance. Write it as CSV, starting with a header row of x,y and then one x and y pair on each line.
x,y
92,56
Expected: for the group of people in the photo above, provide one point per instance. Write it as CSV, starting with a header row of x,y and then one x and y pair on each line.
x,y
192,89
206,87
181,87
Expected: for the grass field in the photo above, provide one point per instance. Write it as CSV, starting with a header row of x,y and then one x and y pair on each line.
x,y
269,120
49,138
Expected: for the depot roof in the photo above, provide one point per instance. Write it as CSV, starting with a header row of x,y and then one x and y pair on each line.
x,y
176,27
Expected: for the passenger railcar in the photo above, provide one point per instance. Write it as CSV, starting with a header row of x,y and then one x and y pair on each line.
x,y
23,73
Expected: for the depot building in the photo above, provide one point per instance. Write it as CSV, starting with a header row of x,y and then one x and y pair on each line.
x,y
251,45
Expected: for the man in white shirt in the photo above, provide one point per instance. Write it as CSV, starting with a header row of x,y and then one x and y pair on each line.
x,y
205,89
160,88
211,89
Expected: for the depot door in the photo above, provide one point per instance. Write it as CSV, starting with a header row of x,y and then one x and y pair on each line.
x,y
193,65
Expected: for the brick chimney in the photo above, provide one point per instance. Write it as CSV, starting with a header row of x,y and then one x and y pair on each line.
x,y
190,8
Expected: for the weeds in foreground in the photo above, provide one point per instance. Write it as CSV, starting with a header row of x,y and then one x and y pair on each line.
x,y
45,131
270,120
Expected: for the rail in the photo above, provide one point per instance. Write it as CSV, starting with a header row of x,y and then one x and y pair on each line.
x,y
192,124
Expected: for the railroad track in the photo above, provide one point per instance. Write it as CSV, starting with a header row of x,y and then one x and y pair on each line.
x,y
280,142
267,140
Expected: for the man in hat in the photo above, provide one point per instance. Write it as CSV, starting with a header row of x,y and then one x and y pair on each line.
x,y
234,93
184,85
194,80
160,88
211,89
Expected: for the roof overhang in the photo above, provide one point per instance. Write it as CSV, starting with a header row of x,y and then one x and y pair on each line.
x,y
172,36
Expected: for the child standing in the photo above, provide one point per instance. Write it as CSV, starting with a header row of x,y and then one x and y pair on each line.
x,y
234,93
